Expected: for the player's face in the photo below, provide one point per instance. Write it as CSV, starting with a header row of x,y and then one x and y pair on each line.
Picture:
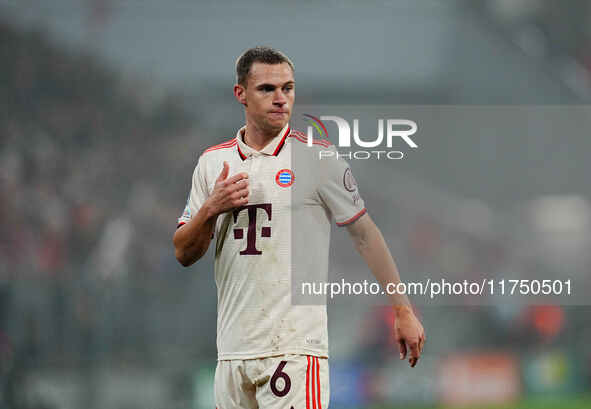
x,y
269,95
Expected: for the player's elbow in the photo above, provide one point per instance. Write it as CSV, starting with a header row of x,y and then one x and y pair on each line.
x,y
187,249
362,232
187,257
360,238
361,244
182,258
186,262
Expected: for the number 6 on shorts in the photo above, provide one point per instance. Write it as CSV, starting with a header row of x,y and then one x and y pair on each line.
x,y
297,382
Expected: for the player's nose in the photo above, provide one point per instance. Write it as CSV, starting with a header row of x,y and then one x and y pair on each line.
x,y
279,98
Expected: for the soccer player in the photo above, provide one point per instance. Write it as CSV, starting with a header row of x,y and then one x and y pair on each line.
x,y
272,353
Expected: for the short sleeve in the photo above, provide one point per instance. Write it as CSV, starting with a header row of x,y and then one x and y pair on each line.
x,y
197,196
339,191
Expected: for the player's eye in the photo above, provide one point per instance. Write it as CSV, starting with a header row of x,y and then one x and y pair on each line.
x,y
267,88
288,88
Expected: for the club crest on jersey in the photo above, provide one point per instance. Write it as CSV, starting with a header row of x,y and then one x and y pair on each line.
x,y
284,178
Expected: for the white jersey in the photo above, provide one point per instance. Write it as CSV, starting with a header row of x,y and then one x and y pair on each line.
x,y
254,258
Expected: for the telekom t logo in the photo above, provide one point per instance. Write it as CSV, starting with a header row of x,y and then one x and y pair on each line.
x,y
251,233
392,130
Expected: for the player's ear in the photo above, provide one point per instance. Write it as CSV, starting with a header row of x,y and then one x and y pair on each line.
x,y
240,93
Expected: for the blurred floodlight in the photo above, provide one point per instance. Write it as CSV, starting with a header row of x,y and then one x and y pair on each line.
x,y
562,226
560,214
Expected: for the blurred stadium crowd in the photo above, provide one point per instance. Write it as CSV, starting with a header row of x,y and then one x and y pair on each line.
x,y
85,164
95,312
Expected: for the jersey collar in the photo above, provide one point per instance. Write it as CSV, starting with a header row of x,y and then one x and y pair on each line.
x,y
271,149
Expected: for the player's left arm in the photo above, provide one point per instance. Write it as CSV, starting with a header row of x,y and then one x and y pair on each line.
x,y
370,244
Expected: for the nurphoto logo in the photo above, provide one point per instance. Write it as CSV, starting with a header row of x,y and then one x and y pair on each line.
x,y
388,129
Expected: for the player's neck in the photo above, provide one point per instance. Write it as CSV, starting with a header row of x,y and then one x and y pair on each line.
x,y
256,138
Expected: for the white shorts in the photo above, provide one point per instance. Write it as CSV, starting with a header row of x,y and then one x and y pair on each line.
x,y
278,382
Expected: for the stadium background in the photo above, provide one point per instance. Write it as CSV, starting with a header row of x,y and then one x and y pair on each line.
x,y
105,106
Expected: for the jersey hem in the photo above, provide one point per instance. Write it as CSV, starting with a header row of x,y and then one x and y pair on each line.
x,y
267,354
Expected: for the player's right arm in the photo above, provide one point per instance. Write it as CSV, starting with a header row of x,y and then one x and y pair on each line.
x,y
191,240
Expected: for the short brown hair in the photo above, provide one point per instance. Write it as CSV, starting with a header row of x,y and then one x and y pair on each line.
x,y
265,55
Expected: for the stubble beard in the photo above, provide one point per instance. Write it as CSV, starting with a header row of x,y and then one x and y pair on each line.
x,y
271,128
